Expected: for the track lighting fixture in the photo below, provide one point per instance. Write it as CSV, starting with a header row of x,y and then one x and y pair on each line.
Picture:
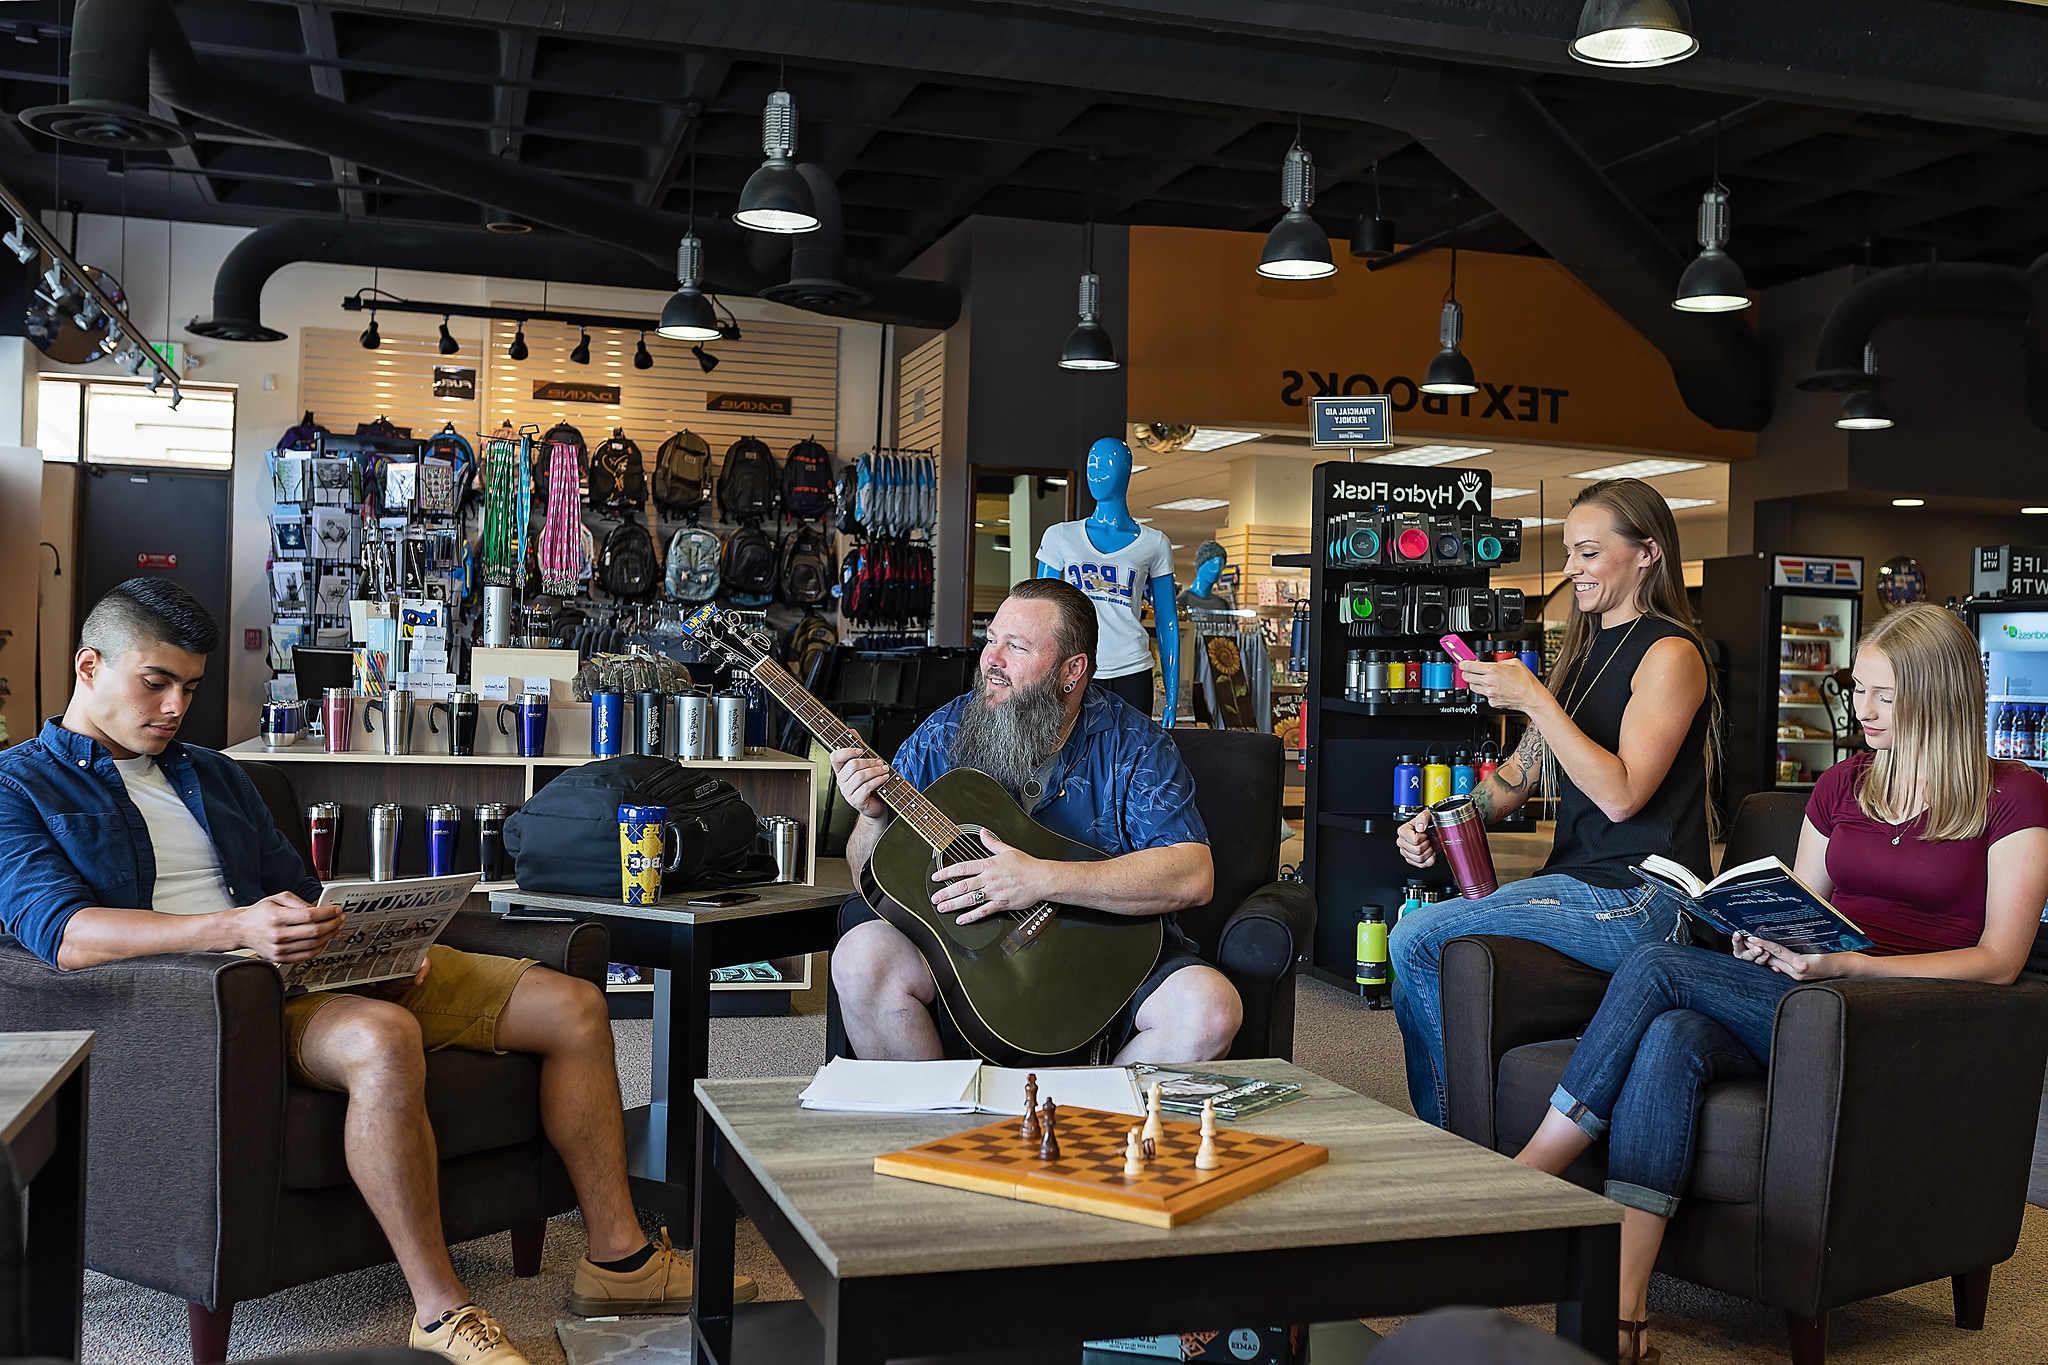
x,y
517,350
1372,238
776,197
641,359
1450,372
1713,283
1864,409
1297,248
19,243
131,360
706,361
448,346
1088,346
1635,33
88,315
729,330
688,315
581,355
371,341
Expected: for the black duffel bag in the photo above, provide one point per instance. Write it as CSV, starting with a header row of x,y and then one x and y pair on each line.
x,y
565,839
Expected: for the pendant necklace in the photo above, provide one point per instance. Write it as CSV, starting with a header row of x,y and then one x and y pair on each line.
x,y
1571,706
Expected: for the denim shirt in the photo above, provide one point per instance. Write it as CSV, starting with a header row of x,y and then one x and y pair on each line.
x,y
70,837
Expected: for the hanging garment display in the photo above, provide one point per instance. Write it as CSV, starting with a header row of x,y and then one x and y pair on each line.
x,y
561,542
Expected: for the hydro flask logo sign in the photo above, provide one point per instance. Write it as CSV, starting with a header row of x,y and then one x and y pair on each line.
x,y
1423,491
1468,490
1519,403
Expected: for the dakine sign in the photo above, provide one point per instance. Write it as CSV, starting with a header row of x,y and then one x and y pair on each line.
x,y
1442,489
1517,403
757,404
559,391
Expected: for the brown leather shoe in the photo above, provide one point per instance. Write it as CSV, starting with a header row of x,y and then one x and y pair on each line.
x,y
665,1284
468,1336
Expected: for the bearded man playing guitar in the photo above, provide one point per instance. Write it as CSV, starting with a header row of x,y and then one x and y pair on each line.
x,y
1085,765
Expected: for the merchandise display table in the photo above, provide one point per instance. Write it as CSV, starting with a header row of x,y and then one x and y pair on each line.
x,y
42,1131
1403,1218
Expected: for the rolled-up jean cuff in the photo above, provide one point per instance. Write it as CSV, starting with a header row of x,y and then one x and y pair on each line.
x,y
1637,1197
1591,1124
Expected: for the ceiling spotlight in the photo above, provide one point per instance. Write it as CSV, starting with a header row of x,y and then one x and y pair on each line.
x,y
371,341
581,355
1297,248
19,242
517,350
642,360
688,315
1372,236
706,361
1634,33
131,360
776,197
1713,283
1909,502
1088,346
88,315
1450,372
448,346
1864,410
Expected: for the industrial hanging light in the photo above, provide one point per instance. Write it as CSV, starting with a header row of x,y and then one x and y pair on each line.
x,y
371,341
1297,248
1635,33
776,197
581,355
1864,409
1088,346
1450,372
517,350
448,346
1713,283
642,360
1372,238
706,361
688,315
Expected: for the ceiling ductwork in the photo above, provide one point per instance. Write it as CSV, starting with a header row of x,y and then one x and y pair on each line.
x,y
817,265
128,50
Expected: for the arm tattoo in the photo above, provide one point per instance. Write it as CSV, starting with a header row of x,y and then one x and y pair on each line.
x,y
1528,756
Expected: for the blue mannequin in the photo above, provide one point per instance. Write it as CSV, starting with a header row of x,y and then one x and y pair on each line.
x,y
1210,562
1111,527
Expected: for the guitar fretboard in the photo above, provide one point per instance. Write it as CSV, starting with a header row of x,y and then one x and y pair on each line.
x,y
910,804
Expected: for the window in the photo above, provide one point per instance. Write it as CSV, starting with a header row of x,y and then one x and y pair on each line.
x,y
112,422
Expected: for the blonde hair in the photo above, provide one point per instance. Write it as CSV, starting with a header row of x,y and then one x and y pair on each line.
x,y
1937,749
1641,517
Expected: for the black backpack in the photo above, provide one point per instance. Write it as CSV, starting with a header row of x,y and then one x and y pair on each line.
x,y
748,573
803,571
846,501
626,566
565,839
747,484
618,476
807,481
682,472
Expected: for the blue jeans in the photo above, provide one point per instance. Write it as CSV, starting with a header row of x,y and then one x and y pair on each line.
x,y
1674,1021
1595,924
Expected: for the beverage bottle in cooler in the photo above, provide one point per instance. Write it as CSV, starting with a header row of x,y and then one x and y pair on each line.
x,y
2033,741
2001,731
2023,732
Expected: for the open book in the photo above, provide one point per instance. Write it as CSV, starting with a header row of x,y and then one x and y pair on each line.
x,y
1762,899
385,932
968,1087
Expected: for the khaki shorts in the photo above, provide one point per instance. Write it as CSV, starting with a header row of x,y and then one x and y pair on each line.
x,y
457,1005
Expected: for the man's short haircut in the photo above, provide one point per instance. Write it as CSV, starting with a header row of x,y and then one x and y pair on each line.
x,y
1076,632
148,611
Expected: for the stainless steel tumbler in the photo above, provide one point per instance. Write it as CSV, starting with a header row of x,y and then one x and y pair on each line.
x,y
391,715
650,711
693,726
281,723
672,725
385,822
783,841
490,840
732,725
497,617
1462,836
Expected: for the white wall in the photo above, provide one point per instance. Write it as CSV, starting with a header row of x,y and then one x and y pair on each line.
x,y
267,375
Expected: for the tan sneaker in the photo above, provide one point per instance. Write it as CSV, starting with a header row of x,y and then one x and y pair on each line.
x,y
469,1335
665,1284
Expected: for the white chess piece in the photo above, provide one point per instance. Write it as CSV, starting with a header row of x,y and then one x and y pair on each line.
x,y
1154,1128
1134,1155
1206,1158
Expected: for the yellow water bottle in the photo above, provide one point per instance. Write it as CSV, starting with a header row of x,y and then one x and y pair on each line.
x,y
1436,780
1372,976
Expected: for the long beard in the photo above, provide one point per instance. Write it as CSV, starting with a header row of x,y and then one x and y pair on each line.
x,y
1009,739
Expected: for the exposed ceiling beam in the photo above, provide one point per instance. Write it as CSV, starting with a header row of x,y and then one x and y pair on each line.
x,y
316,31
1046,121
514,87
704,75
850,132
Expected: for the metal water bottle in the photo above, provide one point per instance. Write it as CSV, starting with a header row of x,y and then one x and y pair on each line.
x,y
1407,787
1372,975
386,820
444,826
1464,777
1436,780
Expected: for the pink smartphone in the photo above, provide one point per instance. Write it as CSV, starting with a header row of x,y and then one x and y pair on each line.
x,y
1458,649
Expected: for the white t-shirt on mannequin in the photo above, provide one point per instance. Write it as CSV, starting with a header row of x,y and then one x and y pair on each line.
x,y
1118,582
188,880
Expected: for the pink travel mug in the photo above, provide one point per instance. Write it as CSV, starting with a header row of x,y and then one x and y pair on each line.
x,y
1462,836
337,712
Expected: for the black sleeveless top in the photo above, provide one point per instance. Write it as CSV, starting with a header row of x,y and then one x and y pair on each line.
x,y
1673,821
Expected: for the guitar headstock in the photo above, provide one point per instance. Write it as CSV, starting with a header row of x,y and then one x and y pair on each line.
x,y
734,640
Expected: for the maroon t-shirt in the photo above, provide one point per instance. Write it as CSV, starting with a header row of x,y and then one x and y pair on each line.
x,y
1916,896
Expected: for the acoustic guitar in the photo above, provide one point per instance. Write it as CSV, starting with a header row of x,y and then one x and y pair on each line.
x,y
1022,985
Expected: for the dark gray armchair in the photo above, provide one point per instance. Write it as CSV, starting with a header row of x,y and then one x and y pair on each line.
x,y
1889,1144
210,1177
1255,930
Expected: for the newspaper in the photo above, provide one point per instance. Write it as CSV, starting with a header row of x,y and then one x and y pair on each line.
x,y
385,933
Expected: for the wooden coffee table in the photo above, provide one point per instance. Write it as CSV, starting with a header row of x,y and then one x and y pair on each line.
x,y
42,1131
1403,1218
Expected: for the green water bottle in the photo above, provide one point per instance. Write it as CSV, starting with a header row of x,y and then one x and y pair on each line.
x,y
1371,976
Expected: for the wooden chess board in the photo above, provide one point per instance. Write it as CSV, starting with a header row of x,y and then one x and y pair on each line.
x,y
1089,1176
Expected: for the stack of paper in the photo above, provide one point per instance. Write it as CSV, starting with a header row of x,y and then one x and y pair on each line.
x,y
963,1088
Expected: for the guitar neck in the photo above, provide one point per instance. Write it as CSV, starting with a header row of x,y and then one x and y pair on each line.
x,y
910,804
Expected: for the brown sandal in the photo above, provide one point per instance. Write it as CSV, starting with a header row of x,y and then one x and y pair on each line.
x,y
1637,1353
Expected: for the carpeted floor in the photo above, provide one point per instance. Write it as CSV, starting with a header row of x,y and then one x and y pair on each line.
x,y
1335,1035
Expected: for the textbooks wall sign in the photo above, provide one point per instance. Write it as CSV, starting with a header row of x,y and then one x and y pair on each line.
x,y
1342,423
1816,571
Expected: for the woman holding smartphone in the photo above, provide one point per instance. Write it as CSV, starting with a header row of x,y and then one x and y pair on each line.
x,y
1622,734
1937,853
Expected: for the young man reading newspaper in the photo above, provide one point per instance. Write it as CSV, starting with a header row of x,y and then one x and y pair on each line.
x,y
117,841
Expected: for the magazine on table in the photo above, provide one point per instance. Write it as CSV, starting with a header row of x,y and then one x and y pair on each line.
x,y
385,933
965,1087
1182,1091
1762,899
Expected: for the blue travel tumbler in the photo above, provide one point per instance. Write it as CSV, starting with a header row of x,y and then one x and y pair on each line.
x,y
607,724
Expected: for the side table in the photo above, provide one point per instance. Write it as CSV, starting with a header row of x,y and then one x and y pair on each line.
x,y
42,1132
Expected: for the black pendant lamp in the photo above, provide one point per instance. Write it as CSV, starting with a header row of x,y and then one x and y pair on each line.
x,y
517,350
1864,409
1088,346
1713,283
1297,248
777,198
581,355
1450,372
1372,238
448,346
641,359
371,341
1634,33
688,315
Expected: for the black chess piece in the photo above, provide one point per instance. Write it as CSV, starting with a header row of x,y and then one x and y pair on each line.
x,y
1028,1130
1049,1145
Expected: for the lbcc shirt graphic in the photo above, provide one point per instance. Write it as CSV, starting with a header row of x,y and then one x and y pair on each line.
x,y
1116,582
